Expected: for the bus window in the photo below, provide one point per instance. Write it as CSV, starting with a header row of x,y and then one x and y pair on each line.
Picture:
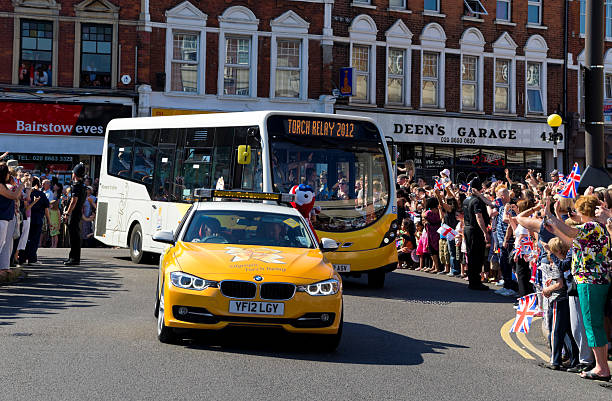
x,y
145,152
120,150
222,158
163,188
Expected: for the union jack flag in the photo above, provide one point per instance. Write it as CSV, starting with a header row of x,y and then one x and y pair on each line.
x,y
570,190
527,245
447,232
463,187
528,307
439,185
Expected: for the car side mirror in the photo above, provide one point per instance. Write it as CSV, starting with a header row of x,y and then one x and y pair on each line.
x,y
328,245
167,237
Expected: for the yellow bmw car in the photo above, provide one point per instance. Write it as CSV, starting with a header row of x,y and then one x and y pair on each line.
x,y
247,264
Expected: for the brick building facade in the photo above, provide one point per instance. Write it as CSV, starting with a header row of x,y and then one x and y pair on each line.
x,y
461,84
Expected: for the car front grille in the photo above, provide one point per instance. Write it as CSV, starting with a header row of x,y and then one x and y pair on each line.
x,y
238,289
276,291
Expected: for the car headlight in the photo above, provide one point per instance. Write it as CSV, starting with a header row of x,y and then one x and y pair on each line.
x,y
189,282
327,287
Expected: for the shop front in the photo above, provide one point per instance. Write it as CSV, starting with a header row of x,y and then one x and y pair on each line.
x,y
53,136
467,146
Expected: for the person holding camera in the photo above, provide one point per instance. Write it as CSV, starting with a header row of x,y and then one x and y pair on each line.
x,y
74,214
9,193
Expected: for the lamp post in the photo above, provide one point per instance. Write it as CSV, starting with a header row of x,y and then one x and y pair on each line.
x,y
554,121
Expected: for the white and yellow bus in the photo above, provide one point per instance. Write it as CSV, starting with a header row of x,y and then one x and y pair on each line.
x,y
151,167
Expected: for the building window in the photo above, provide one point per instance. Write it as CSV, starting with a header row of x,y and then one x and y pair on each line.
x,y
185,58
395,4
582,16
395,76
361,64
503,10
237,67
430,82
534,12
473,8
608,94
361,1
502,85
36,53
469,82
534,88
432,5
96,63
608,20
288,68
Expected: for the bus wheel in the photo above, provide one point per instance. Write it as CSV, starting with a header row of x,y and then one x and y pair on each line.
x,y
376,279
136,253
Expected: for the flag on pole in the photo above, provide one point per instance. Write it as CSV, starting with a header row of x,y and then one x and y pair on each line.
x,y
570,190
463,187
447,232
528,307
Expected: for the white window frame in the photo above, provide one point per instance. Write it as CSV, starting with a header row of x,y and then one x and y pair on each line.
x,y
537,3
536,51
477,83
509,85
428,79
399,37
238,21
581,14
540,88
505,48
403,6
290,26
437,10
362,32
433,39
196,62
396,76
368,74
472,44
509,19
186,18
607,17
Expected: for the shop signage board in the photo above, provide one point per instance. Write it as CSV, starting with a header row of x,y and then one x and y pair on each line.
x,y
59,119
478,132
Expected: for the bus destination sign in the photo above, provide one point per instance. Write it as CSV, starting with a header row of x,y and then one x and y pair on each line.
x,y
341,129
332,128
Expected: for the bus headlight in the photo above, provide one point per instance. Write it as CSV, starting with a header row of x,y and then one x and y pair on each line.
x,y
189,282
327,287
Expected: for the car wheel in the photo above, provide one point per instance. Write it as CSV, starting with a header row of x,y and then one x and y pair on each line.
x,y
329,342
136,253
376,279
165,334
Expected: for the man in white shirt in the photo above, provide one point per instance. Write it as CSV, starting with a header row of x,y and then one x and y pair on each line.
x,y
48,191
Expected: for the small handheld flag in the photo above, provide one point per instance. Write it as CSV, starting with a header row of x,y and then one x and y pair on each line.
x,y
463,187
447,232
528,307
570,190
499,202
439,185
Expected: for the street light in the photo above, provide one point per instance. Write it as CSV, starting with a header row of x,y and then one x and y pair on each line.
x,y
555,121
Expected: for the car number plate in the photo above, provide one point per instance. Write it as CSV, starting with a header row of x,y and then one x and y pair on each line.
x,y
342,268
257,308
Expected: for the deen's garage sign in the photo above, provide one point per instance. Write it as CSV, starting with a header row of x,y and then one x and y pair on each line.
x,y
59,119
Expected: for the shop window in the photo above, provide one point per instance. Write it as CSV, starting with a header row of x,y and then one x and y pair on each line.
x,y
120,153
514,158
534,12
237,68
533,159
432,5
534,88
502,85
36,53
469,82
288,68
503,12
361,64
430,79
185,60
395,76
96,45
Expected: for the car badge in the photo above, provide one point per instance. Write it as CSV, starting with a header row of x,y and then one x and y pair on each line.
x,y
258,278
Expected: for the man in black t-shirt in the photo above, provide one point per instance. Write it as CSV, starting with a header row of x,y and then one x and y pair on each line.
x,y
74,213
476,220
38,212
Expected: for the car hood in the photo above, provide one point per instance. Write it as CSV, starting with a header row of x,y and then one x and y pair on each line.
x,y
204,260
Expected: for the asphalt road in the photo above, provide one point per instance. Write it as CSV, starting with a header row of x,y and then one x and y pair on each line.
x,y
88,333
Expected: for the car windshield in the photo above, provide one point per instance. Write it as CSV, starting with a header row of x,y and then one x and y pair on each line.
x,y
248,228
348,174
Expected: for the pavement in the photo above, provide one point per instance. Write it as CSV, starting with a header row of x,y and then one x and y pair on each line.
x,y
88,332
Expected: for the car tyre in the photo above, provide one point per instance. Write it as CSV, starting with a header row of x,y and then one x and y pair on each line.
x,y
165,334
376,279
329,342
136,252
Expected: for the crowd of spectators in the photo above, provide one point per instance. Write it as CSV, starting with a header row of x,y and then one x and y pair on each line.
x,y
525,237
32,215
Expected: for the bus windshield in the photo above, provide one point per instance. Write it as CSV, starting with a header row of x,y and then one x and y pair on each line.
x,y
342,160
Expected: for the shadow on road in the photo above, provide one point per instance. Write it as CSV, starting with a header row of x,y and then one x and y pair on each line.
x,y
361,344
414,287
51,287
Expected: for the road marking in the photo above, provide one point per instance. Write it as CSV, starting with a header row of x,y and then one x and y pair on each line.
x,y
505,334
523,339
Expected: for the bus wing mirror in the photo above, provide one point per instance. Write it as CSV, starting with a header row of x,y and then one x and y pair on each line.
x,y
244,154
167,237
